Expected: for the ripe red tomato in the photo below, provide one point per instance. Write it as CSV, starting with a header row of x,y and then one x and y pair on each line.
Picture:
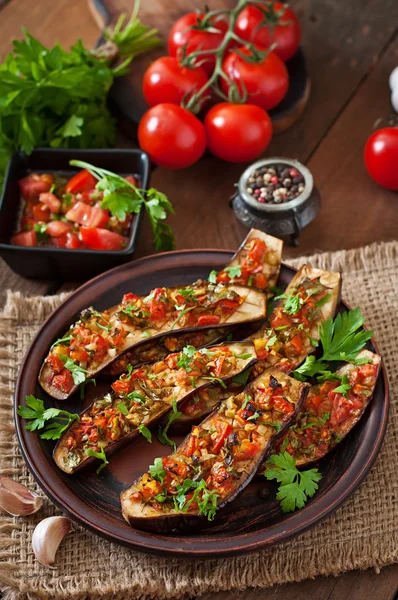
x,y
51,200
72,241
102,239
34,184
257,24
172,136
81,182
189,31
57,228
79,213
381,157
27,238
41,212
166,80
266,82
237,132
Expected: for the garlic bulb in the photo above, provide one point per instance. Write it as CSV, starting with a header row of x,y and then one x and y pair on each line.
x,y
47,537
393,80
394,98
17,499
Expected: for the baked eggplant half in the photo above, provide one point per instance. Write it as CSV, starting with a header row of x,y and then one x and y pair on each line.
x,y
217,460
287,337
256,263
142,396
97,338
331,410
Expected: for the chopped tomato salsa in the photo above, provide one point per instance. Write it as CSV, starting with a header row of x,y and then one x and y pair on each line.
x,y
256,264
63,213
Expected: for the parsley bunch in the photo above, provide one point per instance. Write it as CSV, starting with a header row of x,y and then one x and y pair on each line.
x,y
52,421
342,339
54,98
122,197
295,486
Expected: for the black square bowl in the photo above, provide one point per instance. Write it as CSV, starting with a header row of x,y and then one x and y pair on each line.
x,y
63,263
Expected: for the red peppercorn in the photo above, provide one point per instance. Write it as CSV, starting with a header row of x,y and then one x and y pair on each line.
x,y
274,179
294,173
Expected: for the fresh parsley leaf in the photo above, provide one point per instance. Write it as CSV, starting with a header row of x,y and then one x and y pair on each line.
x,y
292,304
162,433
53,421
63,340
184,311
254,417
243,356
341,339
156,470
233,272
242,378
83,387
323,301
136,397
78,373
309,368
213,276
275,424
145,432
186,357
246,400
216,380
272,340
122,408
344,387
100,455
295,486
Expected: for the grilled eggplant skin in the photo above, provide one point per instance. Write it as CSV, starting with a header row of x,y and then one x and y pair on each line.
x,y
274,346
143,397
326,417
225,451
231,304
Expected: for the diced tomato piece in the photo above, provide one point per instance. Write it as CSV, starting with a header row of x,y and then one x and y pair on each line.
x,y
34,184
80,213
279,319
55,363
41,212
297,343
247,449
262,353
51,200
57,228
208,320
131,179
129,298
259,281
157,310
191,445
223,431
72,241
63,381
27,224
82,182
102,346
79,354
281,404
121,387
117,336
219,365
257,250
26,238
228,305
98,218
223,277
102,239
59,242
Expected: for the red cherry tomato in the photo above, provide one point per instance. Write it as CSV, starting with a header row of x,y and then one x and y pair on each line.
x,y
102,239
265,82
172,136
51,200
167,81
41,212
82,182
26,238
189,31
34,184
381,157
237,132
257,23
57,228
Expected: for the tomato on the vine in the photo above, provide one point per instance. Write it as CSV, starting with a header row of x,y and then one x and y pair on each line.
x,y
266,82
166,80
189,31
258,23
172,136
381,157
237,132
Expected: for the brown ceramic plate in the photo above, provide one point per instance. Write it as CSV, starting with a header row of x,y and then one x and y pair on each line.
x,y
255,520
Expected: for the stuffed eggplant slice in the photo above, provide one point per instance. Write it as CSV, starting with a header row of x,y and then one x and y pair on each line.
x,y
217,460
99,337
329,414
287,337
142,396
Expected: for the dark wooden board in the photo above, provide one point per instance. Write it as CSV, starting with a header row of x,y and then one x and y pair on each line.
x,y
249,524
126,96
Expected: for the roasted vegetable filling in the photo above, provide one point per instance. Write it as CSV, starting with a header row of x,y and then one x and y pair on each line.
x,y
147,392
220,452
329,412
99,336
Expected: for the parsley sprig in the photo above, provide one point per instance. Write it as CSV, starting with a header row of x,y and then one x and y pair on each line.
x,y
53,421
341,339
121,197
162,433
100,455
295,486
205,498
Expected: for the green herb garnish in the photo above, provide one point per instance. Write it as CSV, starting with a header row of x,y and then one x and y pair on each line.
x,y
53,421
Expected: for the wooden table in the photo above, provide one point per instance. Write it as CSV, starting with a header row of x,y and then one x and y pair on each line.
x,y
351,48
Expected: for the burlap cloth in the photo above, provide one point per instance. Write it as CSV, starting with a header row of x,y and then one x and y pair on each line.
x,y
361,534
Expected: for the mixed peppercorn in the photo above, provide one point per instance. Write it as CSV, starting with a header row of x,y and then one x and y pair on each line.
x,y
275,184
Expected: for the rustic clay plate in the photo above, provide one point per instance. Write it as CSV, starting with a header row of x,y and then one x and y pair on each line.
x,y
255,520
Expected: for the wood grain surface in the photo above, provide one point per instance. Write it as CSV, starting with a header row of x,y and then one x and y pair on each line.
x,y
350,49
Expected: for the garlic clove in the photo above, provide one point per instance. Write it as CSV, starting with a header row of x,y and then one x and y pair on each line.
x,y
17,499
47,537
